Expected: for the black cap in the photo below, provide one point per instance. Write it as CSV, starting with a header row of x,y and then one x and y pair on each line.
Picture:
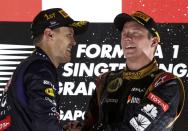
x,y
140,18
54,18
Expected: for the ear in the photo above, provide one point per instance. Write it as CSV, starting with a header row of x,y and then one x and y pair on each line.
x,y
48,33
154,42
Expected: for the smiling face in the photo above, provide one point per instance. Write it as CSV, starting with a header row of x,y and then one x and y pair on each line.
x,y
63,43
136,43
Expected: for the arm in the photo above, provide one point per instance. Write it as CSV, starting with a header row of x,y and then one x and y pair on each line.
x,y
91,115
92,112
39,81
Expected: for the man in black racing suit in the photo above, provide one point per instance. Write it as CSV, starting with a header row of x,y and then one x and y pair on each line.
x,y
33,90
140,97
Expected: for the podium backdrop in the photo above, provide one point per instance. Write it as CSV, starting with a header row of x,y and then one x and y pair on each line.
x,y
97,51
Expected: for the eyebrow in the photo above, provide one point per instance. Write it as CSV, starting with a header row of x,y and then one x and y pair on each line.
x,y
135,29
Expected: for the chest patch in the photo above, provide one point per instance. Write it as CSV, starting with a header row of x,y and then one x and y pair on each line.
x,y
114,85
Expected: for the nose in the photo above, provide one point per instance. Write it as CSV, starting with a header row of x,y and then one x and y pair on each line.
x,y
126,37
73,42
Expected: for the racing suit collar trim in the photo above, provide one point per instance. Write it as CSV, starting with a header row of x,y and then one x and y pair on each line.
x,y
138,74
39,52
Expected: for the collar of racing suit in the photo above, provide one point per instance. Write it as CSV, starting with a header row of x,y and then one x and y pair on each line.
x,y
39,52
42,54
139,74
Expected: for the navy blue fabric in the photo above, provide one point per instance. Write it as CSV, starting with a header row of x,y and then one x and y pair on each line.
x,y
32,109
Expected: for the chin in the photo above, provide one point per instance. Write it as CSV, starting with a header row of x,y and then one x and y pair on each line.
x,y
65,60
68,59
130,56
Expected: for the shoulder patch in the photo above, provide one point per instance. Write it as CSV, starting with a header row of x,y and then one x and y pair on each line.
x,y
162,78
114,85
49,91
157,100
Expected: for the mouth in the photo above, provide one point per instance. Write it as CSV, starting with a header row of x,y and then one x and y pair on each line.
x,y
69,49
130,47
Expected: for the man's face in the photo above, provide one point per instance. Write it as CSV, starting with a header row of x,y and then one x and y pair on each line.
x,y
63,42
135,41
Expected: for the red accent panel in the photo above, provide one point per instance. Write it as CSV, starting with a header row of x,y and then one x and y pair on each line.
x,y
5,123
163,11
19,10
163,79
157,100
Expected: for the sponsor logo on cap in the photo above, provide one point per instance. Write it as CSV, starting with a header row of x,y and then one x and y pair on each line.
x,y
49,16
78,24
141,16
63,13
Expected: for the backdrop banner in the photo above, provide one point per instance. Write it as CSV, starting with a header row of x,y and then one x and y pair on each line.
x,y
97,51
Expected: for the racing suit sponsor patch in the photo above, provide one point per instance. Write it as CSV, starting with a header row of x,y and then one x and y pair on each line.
x,y
51,101
158,101
46,82
140,123
5,123
49,91
134,89
114,85
106,100
162,79
150,110
133,99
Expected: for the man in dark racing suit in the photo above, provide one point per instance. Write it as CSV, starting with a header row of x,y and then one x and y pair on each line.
x,y
33,90
141,97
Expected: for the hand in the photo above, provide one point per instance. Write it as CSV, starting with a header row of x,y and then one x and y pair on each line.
x,y
73,126
75,129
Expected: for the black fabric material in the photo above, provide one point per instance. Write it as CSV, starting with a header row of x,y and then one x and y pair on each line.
x,y
118,111
34,99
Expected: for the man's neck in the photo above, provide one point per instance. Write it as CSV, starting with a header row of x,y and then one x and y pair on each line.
x,y
49,53
54,61
137,64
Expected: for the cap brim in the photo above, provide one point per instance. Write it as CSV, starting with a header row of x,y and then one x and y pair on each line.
x,y
79,26
121,19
